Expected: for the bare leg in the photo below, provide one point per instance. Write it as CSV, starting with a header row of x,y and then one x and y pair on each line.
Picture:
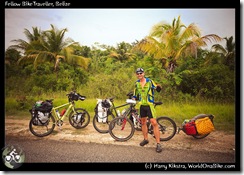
x,y
155,129
144,127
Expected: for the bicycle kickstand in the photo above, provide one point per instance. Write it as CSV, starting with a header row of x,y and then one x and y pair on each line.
x,y
179,129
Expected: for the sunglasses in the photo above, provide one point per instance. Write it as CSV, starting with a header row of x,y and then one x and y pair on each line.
x,y
139,73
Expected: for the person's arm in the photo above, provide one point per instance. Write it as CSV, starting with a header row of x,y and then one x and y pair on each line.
x,y
135,93
158,87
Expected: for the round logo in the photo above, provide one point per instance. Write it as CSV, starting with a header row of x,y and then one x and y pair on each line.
x,y
13,156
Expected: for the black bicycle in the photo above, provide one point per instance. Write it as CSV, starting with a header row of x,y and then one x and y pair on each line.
x,y
123,128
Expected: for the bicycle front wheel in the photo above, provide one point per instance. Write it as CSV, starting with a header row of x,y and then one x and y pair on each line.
x,y
41,130
121,129
103,125
167,128
79,119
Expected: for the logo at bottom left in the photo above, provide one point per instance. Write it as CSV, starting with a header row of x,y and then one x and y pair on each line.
x,y
13,156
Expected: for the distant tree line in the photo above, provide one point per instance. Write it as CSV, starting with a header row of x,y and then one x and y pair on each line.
x,y
172,55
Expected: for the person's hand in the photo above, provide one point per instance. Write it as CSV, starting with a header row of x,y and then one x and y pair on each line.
x,y
158,88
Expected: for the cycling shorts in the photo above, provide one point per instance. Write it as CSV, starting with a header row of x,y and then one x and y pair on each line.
x,y
145,111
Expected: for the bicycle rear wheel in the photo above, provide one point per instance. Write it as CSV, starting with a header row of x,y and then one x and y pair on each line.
x,y
121,129
42,130
167,128
102,127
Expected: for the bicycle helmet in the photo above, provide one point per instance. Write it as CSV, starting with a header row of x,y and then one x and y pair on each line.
x,y
139,70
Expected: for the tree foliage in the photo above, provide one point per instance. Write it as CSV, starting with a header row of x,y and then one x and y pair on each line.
x,y
171,55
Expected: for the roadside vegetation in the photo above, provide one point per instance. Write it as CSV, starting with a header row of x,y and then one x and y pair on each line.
x,y
196,79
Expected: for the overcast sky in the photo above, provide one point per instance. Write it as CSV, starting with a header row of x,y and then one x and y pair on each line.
x,y
112,26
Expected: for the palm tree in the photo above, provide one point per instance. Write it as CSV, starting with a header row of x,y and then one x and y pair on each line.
x,y
71,55
33,40
228,52
173,42
48,45
52,42
122,52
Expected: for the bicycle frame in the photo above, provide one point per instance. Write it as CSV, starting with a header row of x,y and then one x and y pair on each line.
x,y
116,107
71,107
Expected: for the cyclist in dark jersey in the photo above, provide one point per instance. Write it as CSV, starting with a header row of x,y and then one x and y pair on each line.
x,y
144,93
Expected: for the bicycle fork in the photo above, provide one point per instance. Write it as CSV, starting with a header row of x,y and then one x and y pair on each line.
x,y
123,124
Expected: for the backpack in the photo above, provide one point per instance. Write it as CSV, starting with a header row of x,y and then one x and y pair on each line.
x,y
102,110
41,112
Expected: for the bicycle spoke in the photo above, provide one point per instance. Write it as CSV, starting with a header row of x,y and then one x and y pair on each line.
x,y
42,130
167,128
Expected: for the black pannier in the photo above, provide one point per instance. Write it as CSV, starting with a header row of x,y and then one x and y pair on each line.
x,y
41,112
44,107
106,103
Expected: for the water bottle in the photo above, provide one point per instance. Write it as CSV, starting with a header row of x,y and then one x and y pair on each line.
x,y
62,112
57,112
118,112
123,112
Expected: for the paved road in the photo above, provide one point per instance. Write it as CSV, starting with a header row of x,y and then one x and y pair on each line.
x,y
94,156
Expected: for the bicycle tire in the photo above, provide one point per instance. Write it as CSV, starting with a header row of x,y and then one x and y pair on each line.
x,y
198,136
42,130
167,128
102,127
82,122
121,131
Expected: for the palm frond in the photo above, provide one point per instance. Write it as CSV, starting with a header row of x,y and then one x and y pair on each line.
x,y
203,41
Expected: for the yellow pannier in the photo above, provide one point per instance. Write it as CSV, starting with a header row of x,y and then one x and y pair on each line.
x,y
204,125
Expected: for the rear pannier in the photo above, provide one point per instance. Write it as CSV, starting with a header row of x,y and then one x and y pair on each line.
x,y
41,111
101,110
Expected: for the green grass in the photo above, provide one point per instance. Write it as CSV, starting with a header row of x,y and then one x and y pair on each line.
x,y
224,113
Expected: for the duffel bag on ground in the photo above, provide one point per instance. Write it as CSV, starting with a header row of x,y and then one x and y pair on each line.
x,y
204,125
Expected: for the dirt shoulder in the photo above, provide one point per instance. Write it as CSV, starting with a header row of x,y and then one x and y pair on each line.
x,y
217,141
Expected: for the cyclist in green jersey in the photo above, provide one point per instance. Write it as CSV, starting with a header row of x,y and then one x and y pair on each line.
x,y
144,93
